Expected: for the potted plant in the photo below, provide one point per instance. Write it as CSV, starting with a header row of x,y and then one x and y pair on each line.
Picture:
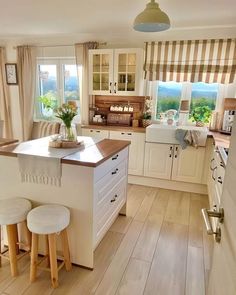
x,y
201,115
147,113
49,103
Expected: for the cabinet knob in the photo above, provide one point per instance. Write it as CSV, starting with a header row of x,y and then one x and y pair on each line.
x,y
114,172
220,180
110,87
115,87
114,198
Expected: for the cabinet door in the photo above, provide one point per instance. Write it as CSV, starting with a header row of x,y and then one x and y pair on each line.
x,y
136,149
101,71
188,164
127,71
158,160
97,133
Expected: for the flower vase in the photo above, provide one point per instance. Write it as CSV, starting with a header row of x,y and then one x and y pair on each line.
x,y
68,132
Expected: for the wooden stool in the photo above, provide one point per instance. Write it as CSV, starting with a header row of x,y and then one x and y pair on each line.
x,y
12,212
49,220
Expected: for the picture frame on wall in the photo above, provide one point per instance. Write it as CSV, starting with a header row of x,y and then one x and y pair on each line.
x,y
11,73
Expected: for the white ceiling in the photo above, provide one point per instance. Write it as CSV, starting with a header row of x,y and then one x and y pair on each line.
x,y
111,20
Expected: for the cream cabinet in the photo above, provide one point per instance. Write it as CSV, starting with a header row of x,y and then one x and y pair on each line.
x,y
168,161
188,164
158,160
115,71
97,133
136,150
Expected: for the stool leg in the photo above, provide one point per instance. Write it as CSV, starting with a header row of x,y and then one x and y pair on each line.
x,y
47,251
53,259
28,234
15,235
11,235
34,257
66,251
0,245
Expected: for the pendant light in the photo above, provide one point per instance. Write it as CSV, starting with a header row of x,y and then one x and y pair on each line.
x,y
152,19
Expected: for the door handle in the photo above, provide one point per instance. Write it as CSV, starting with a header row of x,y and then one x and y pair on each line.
x,y
176,152
206,213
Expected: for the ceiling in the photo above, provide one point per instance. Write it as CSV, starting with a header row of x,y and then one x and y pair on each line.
x,y
111,20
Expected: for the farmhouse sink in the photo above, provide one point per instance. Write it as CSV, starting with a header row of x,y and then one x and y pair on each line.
x,y
166,133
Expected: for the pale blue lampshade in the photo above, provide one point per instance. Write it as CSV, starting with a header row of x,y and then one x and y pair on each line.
x,y
152,19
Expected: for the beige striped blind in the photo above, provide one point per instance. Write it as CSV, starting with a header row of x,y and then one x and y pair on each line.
x,y
210,61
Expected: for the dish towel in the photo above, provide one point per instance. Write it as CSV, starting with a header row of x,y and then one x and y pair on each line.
x,y
180,136
41,170
192,138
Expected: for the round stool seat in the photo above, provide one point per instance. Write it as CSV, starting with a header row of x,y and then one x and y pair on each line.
x,y
48,219
13,211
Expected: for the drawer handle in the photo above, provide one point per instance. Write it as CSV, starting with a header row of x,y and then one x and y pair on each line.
x,y
115,158
114,172
220,180
114,198
122,133
98,131
91,130
129,133
212,160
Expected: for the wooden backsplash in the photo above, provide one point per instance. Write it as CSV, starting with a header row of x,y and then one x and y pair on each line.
x,y
104,102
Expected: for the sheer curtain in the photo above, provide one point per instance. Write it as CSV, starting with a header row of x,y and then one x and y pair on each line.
x,y
81,53
26,58
5,110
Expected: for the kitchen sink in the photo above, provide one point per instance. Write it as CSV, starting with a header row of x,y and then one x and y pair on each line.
x,y
166,133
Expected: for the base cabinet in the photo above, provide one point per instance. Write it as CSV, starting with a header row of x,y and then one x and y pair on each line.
x,y
136,149
167,161
158,160
188,164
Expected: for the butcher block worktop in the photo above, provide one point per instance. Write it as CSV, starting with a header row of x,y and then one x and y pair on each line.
x,y
6,141
91,152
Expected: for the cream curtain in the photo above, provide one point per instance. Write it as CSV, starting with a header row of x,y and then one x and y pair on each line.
x,y
210,61
82,55
5,110
26,58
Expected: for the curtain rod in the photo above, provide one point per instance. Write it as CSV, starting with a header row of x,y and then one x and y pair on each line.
x,y
67,45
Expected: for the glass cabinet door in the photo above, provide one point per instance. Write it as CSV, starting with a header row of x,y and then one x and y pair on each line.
x,y
101,70
126,72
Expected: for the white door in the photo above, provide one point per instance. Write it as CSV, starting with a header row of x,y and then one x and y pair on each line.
x,y
223,272
136,149
158,160
101,71
127,71
188,164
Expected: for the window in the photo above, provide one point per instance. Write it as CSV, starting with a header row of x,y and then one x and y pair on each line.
x,y
204,94
57,83
168,96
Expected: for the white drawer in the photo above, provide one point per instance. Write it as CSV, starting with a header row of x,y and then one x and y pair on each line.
x,y
95,133
106,184
109,209
110,164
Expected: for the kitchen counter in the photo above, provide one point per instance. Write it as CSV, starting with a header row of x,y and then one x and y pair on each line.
x,y
220,139
91,153
6,141
116,128
93,186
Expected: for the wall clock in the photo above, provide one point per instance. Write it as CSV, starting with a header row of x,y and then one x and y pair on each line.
x,y
11,74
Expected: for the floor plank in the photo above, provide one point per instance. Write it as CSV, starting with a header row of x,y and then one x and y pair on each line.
x,y
134,279
82,281
146,205
178,207
114,273
195,279
167,274
121,224
136,197
147,241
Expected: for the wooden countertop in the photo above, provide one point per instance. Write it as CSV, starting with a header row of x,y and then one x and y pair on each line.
x,y
220,139
91,153
6,141
116,128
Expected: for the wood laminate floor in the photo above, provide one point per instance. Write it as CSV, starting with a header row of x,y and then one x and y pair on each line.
x,y
161,247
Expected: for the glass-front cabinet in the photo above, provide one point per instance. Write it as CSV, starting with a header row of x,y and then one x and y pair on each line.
x,y
115,71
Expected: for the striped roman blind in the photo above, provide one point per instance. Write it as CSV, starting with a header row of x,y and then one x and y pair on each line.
x,y
210,61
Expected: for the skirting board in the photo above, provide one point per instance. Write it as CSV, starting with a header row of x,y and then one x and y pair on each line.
x,y
168,184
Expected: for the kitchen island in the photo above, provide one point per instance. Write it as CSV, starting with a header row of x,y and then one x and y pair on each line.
x,y
93,187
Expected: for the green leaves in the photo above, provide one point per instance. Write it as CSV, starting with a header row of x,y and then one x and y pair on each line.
x,y
201,113
66,113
